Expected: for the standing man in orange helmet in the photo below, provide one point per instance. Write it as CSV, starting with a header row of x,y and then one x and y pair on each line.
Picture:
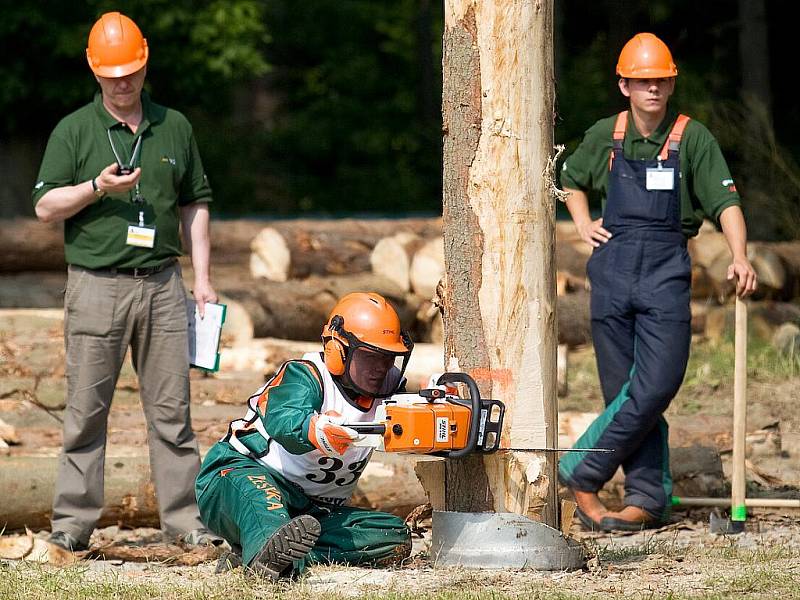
x,y
124,176
658,173
277,485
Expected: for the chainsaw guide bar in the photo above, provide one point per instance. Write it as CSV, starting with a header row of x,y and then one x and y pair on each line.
x,y
440,422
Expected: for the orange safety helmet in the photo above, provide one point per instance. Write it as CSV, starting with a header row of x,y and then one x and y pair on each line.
x,y
363,321
116,46
646,57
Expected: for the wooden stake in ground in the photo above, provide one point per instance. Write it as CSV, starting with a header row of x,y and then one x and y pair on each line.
x,y
738,484
499,238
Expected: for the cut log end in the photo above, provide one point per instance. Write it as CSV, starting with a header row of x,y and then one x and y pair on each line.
x,y
391,258
271,258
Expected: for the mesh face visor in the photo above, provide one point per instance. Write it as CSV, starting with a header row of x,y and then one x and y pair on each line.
x,y
373,371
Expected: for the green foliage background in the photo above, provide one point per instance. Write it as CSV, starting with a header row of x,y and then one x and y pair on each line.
x,y
332,107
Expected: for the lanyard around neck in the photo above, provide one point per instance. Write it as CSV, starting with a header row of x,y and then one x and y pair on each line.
x,y
134,157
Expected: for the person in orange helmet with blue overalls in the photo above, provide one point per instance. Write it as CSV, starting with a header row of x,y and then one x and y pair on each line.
x,y
658,173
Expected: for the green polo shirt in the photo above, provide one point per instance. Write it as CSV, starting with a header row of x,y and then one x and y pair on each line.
x,y
707,187
172,176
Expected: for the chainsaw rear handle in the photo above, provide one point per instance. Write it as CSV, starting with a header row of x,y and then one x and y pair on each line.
x,y
474,403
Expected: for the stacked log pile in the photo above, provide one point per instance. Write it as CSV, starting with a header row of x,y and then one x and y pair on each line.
x,y
406,265
285,276
282,278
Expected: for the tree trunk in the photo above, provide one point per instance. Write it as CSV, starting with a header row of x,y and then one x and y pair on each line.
x,y
499,300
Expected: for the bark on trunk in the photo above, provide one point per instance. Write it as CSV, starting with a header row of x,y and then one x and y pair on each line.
x,y
499,300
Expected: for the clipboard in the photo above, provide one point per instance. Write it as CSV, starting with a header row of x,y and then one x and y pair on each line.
x,y
204,335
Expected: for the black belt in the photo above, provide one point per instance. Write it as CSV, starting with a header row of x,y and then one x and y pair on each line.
x,y
136,271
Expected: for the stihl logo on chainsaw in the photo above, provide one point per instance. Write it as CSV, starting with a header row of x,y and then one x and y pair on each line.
x,y
442,429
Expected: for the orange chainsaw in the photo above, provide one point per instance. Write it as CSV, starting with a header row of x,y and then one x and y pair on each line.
x,y
438,421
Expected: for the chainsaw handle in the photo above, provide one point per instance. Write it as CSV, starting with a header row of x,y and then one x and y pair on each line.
x,y
475,408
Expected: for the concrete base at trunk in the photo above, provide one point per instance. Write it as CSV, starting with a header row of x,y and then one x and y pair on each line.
x,y
501,541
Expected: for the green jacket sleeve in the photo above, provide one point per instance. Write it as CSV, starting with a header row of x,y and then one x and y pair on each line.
x,y
290,405
586,169
58,166
195,186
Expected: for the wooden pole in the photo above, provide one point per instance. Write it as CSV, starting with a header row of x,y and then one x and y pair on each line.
x,y
738,507
752,502
499,237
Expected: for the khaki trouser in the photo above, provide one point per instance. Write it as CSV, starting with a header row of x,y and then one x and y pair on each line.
x,y
104,313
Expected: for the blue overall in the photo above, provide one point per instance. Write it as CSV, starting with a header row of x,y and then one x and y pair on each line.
x,y
641,328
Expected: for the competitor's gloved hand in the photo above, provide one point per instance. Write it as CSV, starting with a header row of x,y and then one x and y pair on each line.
x,y
328,436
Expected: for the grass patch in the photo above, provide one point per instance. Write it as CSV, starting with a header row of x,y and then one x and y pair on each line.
x,y
40,582
748,580
762,554
753,580
710,373
623,552
710,368
711,364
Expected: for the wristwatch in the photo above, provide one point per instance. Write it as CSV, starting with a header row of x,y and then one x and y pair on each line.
x,y
97,191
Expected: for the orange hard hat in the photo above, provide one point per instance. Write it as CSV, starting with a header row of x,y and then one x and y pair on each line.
x,y
369,318
116,46
646,57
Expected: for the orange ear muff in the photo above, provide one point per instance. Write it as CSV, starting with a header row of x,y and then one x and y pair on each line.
x,y
334,357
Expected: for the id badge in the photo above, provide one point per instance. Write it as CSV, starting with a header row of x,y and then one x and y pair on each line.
x,y
140,235
660,179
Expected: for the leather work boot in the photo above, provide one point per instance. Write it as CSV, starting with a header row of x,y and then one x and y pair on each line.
x,y
630,518
290,542
589,503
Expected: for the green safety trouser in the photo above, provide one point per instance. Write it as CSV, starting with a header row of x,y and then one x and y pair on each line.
x,y
245,501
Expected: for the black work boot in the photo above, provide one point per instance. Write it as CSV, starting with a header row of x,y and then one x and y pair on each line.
x,y
290,542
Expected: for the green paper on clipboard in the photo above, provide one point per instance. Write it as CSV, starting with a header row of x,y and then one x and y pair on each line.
x,y
204,334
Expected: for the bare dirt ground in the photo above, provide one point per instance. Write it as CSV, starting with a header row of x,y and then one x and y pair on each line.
x,y
683,560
